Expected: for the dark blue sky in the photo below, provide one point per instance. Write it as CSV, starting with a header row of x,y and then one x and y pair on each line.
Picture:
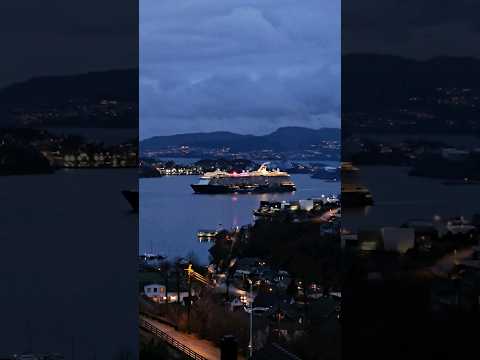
x,y
242,66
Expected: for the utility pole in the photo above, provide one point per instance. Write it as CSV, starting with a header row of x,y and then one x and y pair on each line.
x,y
189,273
250,343
192,275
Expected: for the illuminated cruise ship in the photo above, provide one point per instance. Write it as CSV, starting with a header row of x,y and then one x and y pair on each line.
x,y
259,181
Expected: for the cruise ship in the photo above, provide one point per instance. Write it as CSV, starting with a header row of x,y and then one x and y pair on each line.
x,y
258,181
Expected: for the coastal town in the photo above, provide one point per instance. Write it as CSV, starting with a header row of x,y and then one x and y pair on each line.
x,y
151,167
297,272
56,122
325,150
286,300
39,151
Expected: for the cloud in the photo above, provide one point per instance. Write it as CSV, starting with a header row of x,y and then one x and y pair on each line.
x,y
247,66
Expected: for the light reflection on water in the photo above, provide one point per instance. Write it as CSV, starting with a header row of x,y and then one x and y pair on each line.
x,y
170,214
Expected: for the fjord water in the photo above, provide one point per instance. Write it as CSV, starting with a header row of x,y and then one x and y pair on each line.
x,y
171,214
399,197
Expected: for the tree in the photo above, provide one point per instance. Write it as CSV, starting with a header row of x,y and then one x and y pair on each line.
x,y
229,275
292,289
193,259
178,274
166,266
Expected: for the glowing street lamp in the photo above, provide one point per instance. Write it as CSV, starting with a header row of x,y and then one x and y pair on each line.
x,y
250,343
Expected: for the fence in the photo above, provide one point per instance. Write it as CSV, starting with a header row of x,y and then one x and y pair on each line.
x,y
170,340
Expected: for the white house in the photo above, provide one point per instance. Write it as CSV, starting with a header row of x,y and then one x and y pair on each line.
x,y
157,293
306,204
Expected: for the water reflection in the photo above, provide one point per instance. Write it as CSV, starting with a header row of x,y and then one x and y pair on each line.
x,y
171,215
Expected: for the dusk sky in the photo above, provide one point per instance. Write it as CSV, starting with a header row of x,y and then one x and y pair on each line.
x,y
240,66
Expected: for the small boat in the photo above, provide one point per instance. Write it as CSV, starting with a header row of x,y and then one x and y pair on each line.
x,y
207,233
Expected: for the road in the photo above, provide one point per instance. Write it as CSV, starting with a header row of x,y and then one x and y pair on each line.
x,y
203,347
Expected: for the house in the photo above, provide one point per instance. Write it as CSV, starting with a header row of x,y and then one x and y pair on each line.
x,y
370,240
349,240
424,229
237,304
157,293
265,299
241,274
398,239
459,226
323,308
331,227
306,205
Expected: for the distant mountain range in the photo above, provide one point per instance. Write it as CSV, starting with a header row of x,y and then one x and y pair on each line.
x,y
372,81
283,139
121,85
105,99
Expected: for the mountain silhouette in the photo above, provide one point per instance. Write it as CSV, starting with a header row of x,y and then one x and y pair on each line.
x,y
283,139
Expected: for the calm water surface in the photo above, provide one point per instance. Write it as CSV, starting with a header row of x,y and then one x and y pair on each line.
x,y
399,197
171,215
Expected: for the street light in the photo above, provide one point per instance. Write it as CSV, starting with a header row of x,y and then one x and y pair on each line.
x,y
250,343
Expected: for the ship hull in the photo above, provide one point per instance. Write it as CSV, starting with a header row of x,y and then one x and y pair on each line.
x,y
224,189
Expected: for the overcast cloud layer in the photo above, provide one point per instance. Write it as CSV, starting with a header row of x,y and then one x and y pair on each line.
x,y
241,66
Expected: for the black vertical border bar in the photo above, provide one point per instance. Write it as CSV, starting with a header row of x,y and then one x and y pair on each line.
x,y
68,239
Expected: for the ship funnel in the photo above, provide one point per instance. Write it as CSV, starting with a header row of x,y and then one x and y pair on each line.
x,y
263,167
